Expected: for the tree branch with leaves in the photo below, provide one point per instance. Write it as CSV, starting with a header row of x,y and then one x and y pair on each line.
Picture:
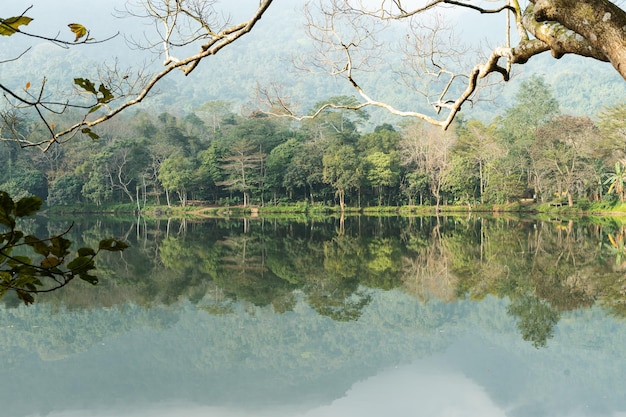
x,y
184,24
52,265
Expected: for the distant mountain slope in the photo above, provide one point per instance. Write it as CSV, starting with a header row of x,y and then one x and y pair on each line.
x,y
582,86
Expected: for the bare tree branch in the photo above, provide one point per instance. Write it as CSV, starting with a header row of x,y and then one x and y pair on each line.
x,y
592,28
184,23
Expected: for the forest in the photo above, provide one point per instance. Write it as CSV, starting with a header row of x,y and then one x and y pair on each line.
x,y
214,156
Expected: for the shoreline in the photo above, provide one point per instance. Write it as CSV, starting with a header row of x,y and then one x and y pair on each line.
x,y
298,210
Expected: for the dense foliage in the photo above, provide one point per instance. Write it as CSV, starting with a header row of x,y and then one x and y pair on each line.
x,y
212,156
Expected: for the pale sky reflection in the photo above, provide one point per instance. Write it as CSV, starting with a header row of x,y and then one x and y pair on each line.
x,y
405,391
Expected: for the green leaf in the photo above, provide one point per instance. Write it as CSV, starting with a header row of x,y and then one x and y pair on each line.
x,y
86,85
91,110
60,246
112,245
107,95
92,279
86,252
28,206
5,276
6,209
37,245
12,25
89,132
26,297
19,261
81,265
79,30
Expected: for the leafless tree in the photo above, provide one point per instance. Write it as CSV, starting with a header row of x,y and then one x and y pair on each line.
x,y
428,150
348,38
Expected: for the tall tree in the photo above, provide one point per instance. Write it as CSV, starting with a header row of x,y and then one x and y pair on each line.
x,y
382,161
176,174
306,169
563,155
478,145
382,170
341,171
242,168
612,126
428,150
534,106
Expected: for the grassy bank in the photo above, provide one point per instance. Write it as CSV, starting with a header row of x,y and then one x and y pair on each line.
x,y
582,208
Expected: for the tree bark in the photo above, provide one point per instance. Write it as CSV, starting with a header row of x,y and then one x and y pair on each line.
x,y
600,22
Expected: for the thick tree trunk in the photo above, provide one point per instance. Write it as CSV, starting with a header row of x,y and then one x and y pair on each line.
x,y
600,22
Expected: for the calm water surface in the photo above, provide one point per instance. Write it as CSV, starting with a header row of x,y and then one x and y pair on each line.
x,y
311,318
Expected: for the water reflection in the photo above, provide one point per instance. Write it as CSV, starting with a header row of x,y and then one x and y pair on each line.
x,y
399,359
398,317
543,267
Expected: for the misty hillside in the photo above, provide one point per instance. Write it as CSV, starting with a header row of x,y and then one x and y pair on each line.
x,y
582,86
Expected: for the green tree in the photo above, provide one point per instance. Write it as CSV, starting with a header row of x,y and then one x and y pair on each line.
x,y
381,158
461,181
208,173
616,181
176,174
24,180
612,125
335,125
534,107
415,184
341,171
96,185
279,162
382,170
536,319
65,190
306,169
478,151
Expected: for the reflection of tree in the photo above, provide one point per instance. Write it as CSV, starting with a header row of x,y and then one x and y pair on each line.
x,y
340,304
427,272
243,274
383,264
332,272
545,268
336,293
185,274
537,319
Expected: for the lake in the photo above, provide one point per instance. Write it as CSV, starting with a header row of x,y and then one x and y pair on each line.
x,y
362,316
